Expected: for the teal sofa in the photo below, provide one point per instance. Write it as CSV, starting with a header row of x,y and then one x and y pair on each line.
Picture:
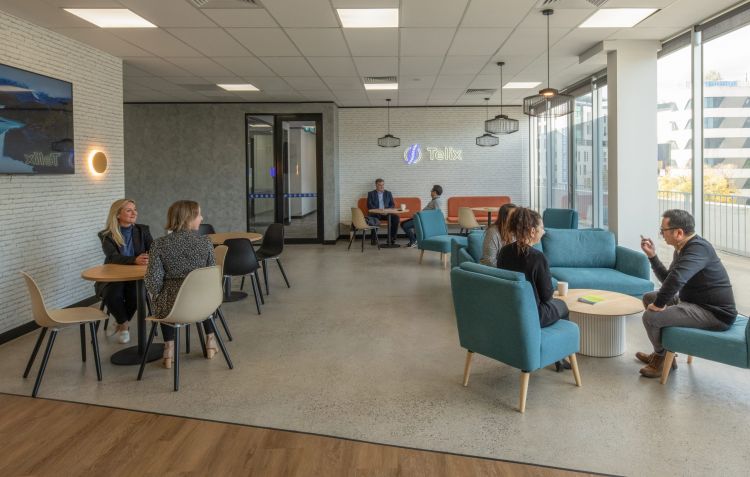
x,y
729,347
432,234
592,259
560,219
497,317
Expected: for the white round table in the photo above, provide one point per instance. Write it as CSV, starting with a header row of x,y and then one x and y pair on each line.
x,y
602,324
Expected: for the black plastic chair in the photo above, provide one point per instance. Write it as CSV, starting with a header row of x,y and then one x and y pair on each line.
x,y
239,262
205,229
270,249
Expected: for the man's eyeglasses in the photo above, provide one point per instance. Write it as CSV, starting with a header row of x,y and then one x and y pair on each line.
x,y
661,230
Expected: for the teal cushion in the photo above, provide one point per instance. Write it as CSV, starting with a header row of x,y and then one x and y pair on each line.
x,y
433,223
579,248
728,347
602,279
558,341
560,219
440,243
494,272
475,241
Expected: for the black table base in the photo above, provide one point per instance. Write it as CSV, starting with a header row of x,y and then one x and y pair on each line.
x,y
131,357
390,245
234,296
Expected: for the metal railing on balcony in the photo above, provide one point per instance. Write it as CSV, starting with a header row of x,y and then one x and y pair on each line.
x,y
725,218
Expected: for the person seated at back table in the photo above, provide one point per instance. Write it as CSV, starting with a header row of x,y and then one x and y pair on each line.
x,y
382,199
497,236
520,256
172,258
695,291
433,204
125,243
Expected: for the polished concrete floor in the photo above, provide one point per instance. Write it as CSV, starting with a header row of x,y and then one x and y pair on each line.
x,y
364,346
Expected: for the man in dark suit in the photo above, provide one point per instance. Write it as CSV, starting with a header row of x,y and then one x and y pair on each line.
x,y
382,199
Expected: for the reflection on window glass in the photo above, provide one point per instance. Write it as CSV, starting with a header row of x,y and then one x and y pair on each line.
x,y
583,152
557,141
726,140
602,154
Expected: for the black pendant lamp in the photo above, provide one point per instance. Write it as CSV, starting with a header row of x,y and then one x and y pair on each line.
x,y
487,139
549,102
389,140
501,124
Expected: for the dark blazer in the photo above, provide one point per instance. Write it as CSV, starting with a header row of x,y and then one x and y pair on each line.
x,y
141,244
372,200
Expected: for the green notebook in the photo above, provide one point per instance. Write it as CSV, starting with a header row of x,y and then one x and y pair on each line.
x,y
591,299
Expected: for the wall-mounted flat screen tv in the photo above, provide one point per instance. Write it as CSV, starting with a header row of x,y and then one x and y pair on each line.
x,y
36,123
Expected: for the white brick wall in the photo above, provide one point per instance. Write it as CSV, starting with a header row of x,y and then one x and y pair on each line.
x,y
48,224
499,170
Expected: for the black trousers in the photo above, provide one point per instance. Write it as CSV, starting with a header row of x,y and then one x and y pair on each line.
x,y
394,220
168,331
121,300
408,226
549,315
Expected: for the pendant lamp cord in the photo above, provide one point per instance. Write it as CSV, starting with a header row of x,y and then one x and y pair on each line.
x,y
388,113
547,51
501,90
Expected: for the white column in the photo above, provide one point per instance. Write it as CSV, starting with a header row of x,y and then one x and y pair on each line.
x,y
632,148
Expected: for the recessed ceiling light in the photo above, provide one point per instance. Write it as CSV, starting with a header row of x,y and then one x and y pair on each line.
x,y
617,17
111,17
380,86
522,85
238,87
368,17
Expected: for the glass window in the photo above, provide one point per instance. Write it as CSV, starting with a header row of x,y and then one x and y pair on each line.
x,y
601,154
558,156
583,147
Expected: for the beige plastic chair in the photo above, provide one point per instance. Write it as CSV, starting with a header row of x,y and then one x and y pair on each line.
x,y
467,220
360,224
55,320
199,297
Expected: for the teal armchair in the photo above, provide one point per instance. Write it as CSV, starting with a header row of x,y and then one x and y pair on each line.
x,y
560,219
497,317
729,347
432,234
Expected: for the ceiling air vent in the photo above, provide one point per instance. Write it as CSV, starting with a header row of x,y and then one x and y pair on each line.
x,y
563,4
380,79
482,92
226,3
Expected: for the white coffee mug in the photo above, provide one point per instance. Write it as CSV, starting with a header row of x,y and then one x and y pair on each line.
x,y
562,288
403,206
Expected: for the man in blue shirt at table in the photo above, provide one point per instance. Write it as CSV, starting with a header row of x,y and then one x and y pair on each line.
x,y
382,199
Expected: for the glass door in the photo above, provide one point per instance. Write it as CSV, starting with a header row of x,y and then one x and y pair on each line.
x,y
285,174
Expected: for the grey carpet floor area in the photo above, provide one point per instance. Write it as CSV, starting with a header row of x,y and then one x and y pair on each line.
x,y
364,346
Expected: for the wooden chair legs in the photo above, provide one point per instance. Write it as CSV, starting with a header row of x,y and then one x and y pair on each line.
x,y
421,256
690,359
467,367
668,359
574,366
524,390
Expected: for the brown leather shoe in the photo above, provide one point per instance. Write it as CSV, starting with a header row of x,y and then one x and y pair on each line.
x,y
654,367
646,358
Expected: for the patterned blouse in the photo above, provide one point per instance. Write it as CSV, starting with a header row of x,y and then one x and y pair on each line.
x,y
170,260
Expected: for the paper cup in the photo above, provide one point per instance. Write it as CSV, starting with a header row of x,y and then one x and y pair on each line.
x,y
403,206
562,288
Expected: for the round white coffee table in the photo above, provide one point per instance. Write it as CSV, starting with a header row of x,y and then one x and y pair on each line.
x,y
602,324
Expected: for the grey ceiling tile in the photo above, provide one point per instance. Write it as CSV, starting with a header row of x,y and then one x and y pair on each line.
x,y
319,41
156,41
372,41
309,13
306,83
244,66
351,83
457,65
103,40
478,41
265,41
156,66
431,13
454,81
200,66
420,65
425,41
289,66
234,17
210,41
333,66
377,66
411,83
493,13
273,83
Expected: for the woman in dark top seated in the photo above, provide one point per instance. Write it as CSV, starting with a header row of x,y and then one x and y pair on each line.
x,y
171,259
521,256
125,243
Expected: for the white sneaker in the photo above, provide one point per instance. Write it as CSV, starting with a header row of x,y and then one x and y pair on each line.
x,y
123,337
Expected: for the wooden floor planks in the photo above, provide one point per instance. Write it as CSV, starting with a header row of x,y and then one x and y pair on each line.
x,y
44,437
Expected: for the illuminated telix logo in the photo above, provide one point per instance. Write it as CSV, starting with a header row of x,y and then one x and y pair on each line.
x,y
445,154
413,154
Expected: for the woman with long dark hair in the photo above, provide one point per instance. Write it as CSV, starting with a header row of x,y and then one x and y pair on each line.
x,y
497,236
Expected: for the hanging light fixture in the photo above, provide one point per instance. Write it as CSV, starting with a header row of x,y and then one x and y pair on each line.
x,y
389,140
549,102
487,139
501,124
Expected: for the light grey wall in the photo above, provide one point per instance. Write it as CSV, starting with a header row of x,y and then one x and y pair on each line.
x,y
197,152
48,223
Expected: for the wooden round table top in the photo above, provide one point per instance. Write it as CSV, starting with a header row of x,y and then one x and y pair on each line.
x,y
485,209
614,304
388,211
114,273
218,239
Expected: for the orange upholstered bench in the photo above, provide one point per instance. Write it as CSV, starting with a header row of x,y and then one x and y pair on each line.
x,y
413,205
475,201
